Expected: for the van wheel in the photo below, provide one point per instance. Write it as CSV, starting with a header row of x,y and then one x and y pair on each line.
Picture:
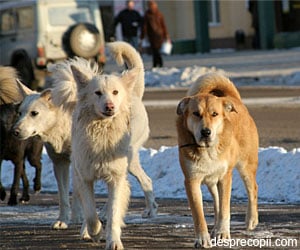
x,y
82,40
21,61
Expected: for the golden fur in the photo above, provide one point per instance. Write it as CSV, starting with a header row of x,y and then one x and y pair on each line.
x,y
215,134
11,89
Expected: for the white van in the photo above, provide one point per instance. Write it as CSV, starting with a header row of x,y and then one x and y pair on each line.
x,y
46,31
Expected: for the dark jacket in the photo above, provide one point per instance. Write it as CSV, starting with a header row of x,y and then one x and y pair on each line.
x,y
130,21
154,28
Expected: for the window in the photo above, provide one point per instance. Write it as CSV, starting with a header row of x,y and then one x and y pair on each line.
x,y
8,22
68,16
214,12
25,18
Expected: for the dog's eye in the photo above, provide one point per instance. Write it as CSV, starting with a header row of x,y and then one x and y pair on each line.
x,y
34,113
115,92
98,93
214,114
197,114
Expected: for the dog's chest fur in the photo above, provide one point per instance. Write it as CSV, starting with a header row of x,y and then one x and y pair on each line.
x,y
105,143
205,164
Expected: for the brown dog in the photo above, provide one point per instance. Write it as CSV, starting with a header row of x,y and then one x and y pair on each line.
x,y
215,134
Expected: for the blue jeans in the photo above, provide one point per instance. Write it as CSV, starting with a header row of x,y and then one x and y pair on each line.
x,y
133,40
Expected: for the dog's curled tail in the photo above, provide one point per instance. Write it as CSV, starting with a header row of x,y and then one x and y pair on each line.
x,y
125,54
64,92
215,84
11,89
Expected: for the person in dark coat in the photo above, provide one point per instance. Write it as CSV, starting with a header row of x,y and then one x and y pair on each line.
x,y
155,30
131,21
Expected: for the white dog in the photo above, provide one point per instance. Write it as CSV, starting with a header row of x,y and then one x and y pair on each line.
x,y
109,126
49,114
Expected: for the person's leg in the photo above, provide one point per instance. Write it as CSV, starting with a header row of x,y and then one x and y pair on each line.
x,y
134,41
159,59
156,57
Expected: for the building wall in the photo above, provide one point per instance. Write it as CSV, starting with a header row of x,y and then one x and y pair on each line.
x,y
179,17
180,21
234,16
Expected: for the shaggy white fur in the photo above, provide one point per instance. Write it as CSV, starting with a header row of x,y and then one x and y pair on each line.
x,y
49,114
106,138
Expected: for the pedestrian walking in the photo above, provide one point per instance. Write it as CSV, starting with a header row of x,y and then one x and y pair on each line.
x,y
154,29
131,21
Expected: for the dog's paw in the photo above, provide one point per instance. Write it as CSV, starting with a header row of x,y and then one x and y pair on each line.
x,y
12,200
150,212
251,223
203,241
222,235
114,245
84,234
59,225
24,199
92,231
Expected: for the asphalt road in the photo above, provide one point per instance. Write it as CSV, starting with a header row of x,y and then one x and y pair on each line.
x,y
171,229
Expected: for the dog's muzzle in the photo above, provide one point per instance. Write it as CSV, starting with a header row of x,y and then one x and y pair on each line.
x,y
205,132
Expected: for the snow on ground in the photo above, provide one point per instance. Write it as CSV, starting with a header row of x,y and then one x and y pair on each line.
x,y
278,174
277,177
184,77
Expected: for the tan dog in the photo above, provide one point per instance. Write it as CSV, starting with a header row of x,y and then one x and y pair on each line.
x,y
215,134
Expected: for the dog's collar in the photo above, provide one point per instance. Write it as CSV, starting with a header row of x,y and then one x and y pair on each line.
x,y
190,145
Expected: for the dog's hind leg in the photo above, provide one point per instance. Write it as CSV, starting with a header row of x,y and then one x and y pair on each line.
x,y
118,199
61,171
145,181
77,215
248,175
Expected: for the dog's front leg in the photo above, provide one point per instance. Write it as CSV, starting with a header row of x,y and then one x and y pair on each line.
x,y
85,188
195,200
118,197
223,226
213,189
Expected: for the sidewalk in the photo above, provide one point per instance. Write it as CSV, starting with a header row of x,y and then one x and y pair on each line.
x,y
249,63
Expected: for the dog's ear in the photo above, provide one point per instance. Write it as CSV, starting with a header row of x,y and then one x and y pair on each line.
x,y
182,105
229,107
80,78
47,95
23,89
130,77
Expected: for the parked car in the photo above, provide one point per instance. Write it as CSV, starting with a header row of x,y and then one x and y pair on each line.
x,y
46,31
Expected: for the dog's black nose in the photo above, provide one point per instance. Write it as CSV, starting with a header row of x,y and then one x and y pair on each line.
x,y
16,132
205,132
